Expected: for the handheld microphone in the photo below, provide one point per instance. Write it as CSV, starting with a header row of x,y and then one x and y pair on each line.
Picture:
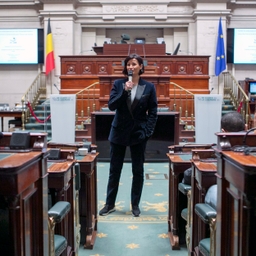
x,y
130,73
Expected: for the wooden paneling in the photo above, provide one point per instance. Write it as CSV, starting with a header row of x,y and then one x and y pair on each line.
x,y
190,72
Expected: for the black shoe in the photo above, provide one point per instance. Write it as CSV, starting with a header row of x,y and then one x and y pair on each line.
x,y
136,211
107,209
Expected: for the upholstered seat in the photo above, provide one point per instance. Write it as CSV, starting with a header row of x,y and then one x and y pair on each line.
x,y
15,122
207,213
57,243
185,189
186,212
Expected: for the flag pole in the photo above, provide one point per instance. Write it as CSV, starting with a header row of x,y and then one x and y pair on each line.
x,y
51,81
50,62
218,84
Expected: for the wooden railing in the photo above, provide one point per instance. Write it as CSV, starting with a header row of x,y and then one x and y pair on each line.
x,y
233,91
32,95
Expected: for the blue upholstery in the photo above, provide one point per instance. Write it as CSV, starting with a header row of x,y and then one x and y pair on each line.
x,y
59,211
204,246
207,212
77,178
165,109
211,196
184,188
184,213
60,244
57,214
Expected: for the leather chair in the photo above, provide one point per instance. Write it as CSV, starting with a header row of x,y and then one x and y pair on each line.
x,y
77,214
186,212
57,242
207,213
16,122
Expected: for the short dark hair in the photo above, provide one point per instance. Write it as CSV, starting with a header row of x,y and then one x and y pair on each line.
x,y
232,122
130,57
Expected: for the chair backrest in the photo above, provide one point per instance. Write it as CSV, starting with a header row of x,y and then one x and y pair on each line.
x,y
211,196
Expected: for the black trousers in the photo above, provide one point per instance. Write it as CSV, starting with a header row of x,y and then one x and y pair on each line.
x,y
117,154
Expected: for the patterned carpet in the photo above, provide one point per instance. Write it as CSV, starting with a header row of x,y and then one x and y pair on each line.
x,y
121,234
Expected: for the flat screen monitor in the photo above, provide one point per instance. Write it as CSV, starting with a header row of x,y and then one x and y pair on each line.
x,y
139,40
241,45
252,88
166,134
21,46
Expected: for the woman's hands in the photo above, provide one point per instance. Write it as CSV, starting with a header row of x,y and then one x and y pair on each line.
x,y
128,86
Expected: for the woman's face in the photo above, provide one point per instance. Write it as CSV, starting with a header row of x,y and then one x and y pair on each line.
x,y
133,65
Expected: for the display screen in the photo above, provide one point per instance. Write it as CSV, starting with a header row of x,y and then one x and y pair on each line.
x,y
139,41
252,87
21,46
241,46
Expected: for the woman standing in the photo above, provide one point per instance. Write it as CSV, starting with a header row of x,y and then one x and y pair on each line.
x,y
135,102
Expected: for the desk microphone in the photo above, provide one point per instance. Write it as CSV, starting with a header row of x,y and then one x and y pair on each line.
x,y
130,73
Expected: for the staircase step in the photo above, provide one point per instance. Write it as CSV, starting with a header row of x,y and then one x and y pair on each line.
x,y
82,132
82,138
34,120
42,107
227,100
187,139
42,112
38,126
187,133
228,107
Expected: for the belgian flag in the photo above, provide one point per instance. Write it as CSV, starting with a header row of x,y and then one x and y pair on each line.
x,y
49,51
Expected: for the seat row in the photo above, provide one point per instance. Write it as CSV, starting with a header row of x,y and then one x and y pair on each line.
x,y
44,206
216,210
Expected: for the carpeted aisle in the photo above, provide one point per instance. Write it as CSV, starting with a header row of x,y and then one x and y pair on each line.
x,y
119,233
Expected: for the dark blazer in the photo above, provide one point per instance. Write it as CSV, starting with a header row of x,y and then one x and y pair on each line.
x,y
132,123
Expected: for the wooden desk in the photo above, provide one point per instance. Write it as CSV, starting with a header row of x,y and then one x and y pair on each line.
x,y
203,176
236,219
88,205
178,163
61,182
9,113
23,188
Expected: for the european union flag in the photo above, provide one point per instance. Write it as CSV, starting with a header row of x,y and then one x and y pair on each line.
x,y
220,62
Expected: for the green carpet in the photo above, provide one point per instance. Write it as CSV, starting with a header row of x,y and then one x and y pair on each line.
x,y
121,234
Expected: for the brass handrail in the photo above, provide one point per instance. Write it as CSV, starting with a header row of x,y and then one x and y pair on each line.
x,y
240,100
88,119
183,89
32,95
186,108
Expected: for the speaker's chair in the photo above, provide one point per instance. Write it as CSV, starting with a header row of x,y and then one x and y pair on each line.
x,y
207,213
57,242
